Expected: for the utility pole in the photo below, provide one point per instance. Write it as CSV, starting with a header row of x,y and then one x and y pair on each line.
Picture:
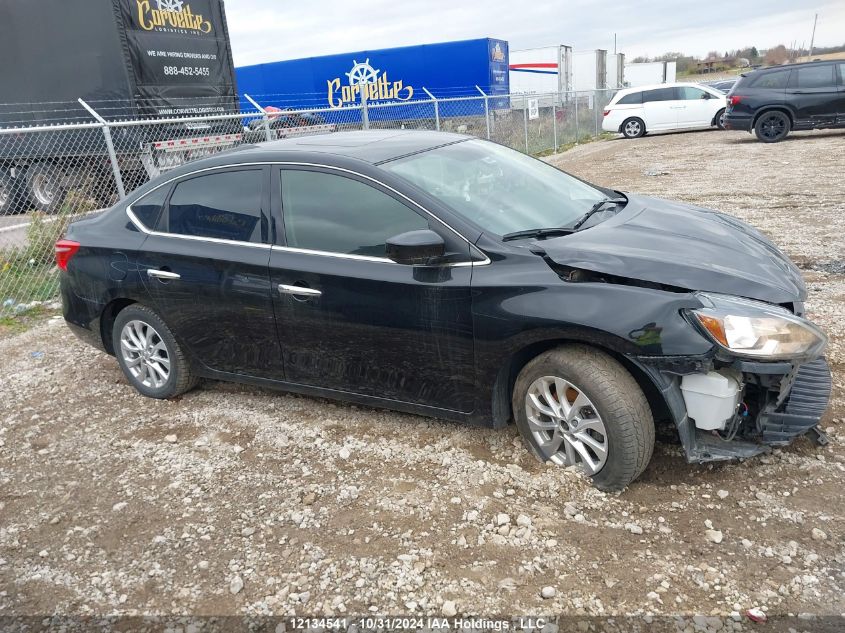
x,y
813,38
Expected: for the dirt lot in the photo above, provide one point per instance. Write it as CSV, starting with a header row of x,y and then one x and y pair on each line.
x,y
234,500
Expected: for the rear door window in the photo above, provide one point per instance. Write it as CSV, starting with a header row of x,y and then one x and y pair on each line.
x,y
813,77
223,205
633,98
772,81
688,93
659,94
841,74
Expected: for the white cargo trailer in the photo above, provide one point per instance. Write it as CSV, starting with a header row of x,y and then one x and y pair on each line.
x,y
543,70
647,73
589,70
615,70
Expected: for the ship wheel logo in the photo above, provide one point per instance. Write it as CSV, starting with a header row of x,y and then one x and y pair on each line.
x,y
169,5
362,73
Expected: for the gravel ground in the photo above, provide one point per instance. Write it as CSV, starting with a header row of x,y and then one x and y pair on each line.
x,y
235,500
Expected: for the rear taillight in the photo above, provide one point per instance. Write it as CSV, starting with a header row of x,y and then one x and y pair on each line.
x,y
65,250
606,112
734,99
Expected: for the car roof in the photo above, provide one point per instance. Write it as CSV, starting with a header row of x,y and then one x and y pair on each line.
x,y
666,85
371,146
769,69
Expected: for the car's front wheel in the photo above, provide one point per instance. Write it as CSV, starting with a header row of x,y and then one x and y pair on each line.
x,y
633,128
576,405
149,355
772,127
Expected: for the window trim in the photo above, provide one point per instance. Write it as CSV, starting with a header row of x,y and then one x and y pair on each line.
x,y
140,226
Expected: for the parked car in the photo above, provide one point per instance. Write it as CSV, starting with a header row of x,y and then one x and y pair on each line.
x,y
448,276
723,85
773,101
635,111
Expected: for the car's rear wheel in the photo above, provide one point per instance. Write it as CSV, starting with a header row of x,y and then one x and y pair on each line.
x,y
633,128
719,119
149,355
576,405
772,127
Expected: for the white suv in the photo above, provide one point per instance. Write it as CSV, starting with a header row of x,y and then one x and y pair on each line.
x,y
635,111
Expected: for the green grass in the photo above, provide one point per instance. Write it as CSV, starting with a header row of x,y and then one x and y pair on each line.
x,y
12,325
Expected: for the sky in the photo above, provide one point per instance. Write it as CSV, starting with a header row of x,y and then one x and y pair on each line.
x,y
271,30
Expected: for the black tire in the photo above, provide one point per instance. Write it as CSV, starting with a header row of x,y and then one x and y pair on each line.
x,y
12,193
180,378
46,189
633,127
618,401
719,119
772,126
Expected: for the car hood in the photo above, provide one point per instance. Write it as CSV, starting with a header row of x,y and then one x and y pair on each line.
x,y
681,245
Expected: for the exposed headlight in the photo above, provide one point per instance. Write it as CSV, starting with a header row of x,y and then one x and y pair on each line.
x,y
756,329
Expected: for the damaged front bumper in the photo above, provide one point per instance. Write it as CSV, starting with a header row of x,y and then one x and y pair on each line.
x,y
779,402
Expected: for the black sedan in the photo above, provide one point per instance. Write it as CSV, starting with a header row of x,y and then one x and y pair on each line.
x,y
448,276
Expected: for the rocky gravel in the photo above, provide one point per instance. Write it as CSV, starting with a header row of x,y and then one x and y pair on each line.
x,y
236,500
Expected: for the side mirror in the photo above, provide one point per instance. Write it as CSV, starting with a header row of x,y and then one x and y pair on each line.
x,y
706,95
415,247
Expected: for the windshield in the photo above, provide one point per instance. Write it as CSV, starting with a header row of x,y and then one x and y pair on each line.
x,y
499,189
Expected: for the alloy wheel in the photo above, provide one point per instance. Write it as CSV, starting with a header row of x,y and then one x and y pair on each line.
x,y
632,128
773,127
565,424
145,354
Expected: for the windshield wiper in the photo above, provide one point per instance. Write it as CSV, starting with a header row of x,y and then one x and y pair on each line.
x,y
596,207
518,235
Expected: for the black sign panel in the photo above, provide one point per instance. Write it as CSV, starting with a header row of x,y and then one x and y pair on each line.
x,y
180,56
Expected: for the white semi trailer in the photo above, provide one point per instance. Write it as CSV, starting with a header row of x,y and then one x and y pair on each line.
x,y
647,73
544,70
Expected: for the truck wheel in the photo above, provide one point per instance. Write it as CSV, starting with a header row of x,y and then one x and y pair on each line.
x,y
576,405
46,188
633,128
11,194
772,127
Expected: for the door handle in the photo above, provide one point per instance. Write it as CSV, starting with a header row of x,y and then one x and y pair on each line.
x,y
301,291
162,274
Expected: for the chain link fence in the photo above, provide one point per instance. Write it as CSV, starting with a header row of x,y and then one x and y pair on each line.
x,y
57,173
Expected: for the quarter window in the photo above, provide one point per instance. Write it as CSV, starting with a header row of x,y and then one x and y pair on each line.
x,y
633,98
327,212
815,77
224,205
772,81
147,208
660,94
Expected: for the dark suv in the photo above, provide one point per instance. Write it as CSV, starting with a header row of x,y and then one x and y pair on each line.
x,y
773,101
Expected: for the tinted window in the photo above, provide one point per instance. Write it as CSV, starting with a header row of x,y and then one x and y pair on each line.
x,y
689,93
224,205
841,74
634,97
661,94
325,212
148,207
772,81
815,77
